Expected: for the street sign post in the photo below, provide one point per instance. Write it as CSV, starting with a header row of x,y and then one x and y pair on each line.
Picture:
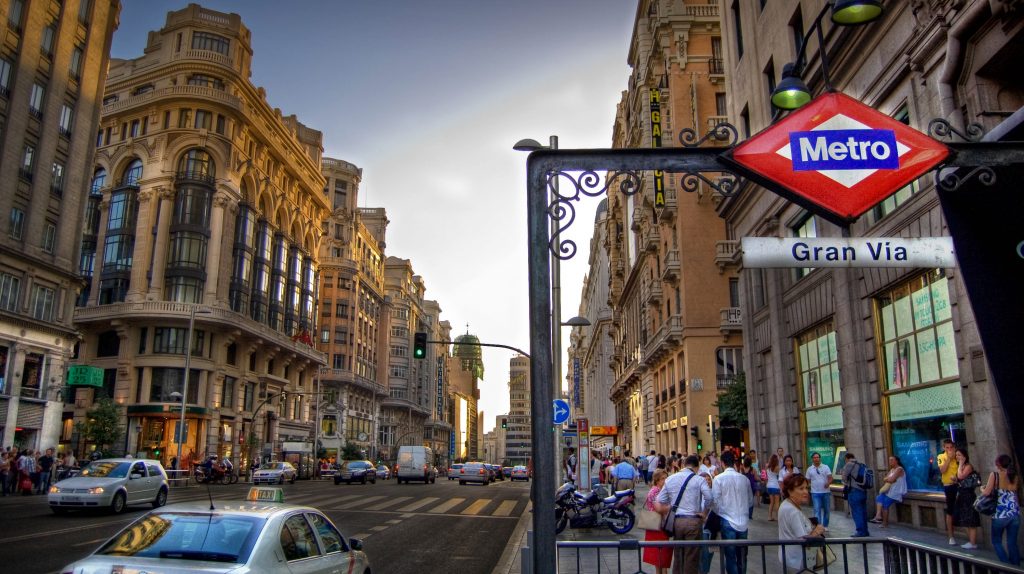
x,y
837,157
583,454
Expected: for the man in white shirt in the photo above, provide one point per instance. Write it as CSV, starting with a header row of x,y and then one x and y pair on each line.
x,y
689,515
820,476
733,498
652,465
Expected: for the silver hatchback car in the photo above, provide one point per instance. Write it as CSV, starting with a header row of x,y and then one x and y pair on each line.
x,y
113,483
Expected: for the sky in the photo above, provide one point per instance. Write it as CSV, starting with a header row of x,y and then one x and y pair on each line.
x,y
428,97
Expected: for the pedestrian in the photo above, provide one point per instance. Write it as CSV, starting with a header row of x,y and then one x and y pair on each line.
x,y
26,468
820,476
570,465
964,514
663,463
5,470
793,525
45,468
948,467
857,497
595,470
788,468
659,557
641,466
1004,484
690,499
782,454
707,466
652,465
773,486
733,500
755,467
755,482
896,479
624,474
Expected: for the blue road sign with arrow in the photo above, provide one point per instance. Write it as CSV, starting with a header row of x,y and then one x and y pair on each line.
x,y
561,411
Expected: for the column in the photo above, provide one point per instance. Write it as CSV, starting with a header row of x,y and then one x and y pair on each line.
x,y
16,364
163,226
214,249
101,238
142,250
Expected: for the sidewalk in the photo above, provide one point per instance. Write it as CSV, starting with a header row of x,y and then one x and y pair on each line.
x,y
840,526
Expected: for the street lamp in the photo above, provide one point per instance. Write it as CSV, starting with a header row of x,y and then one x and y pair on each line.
x,y
792,92
188,371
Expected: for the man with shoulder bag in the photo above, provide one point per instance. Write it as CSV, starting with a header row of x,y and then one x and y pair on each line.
x,y
684,502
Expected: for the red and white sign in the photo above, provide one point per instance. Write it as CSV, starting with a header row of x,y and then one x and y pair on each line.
x,y
839,155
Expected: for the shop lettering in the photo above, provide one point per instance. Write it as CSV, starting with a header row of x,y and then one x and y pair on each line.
x,y
844,150
877,251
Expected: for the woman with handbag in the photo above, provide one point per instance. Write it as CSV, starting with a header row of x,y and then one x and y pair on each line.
x,y
963,512
1004,484
793,524
894,486
650,521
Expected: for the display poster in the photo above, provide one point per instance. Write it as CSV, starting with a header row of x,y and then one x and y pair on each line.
x,y
928,402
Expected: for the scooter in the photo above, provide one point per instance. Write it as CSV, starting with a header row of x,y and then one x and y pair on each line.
x,y
591,510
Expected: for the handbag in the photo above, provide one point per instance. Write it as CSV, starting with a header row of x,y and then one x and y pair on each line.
x,y
668,523
823,557
985,505
972,481
648,519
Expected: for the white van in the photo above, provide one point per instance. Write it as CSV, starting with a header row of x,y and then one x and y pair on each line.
x,y
416,463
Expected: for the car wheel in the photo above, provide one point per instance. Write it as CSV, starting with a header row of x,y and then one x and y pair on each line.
x,y
161,498
119,503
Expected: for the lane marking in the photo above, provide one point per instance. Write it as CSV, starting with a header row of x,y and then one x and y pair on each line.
x,y
91,542
446,506
392,502
477,506
379,528
419,504
365,500
506,508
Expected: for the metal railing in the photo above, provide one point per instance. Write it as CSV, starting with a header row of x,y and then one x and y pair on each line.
x,y
868,555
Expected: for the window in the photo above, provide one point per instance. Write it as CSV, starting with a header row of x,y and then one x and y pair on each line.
x,y
338,361
171,340
804,228
17,223
227,394
400,371
46,45
49,237
14,14
769,75
325,335
5,77
35,100
184,118
921,378
133,173
83,11
134,129
738,23
204,120
340,336
206,81
57,183
196,163
75,68
211,42
715,65
889,204
796,26
297,539
168,380
332,539
817,363
143,89
42,303
399,351
66,113
9,292
28,159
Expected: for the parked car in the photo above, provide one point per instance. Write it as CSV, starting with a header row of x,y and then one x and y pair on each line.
x,y
416,463
275,473
113,483
453,470
520,473
351,471
238,537
474,472
383,472
506,471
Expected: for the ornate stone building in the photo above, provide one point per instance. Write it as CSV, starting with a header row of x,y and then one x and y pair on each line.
x,y
677,328
465,371
354,316
872,361
518,435
52,59
205,202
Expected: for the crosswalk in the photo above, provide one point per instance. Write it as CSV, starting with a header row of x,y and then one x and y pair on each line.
x,y
482,506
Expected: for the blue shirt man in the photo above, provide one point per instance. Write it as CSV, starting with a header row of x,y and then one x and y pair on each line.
x,y
624,474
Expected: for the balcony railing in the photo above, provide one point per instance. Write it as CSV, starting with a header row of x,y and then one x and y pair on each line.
x,y
716,66
671,271
714,121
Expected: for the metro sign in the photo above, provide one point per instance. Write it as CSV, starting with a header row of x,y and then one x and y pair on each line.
x,y
838,157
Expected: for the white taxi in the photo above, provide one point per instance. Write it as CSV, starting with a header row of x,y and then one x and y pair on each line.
x,y
246,536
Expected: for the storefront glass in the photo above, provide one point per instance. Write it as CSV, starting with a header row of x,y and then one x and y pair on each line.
x,y
817,361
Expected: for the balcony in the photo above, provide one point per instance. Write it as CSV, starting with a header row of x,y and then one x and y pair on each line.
x,y
732,321
651,239
667,213
723,381
651,293
671,271
727,252
716,70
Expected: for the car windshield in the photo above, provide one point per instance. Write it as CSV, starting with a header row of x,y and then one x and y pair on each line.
x,y
106,469
355,465
188,536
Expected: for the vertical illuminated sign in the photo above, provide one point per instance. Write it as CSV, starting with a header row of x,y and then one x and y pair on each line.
x,y
659,176
576,382
440,388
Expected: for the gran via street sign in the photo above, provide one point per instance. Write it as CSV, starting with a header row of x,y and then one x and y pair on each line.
x,y
837,157
780,252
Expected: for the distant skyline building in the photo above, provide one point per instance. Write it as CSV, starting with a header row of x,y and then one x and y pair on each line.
x,y
466,370
52,64
518,438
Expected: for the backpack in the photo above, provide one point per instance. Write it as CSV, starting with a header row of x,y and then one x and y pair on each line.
x,y
863,476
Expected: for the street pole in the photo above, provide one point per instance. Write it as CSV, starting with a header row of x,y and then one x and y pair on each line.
x,y
556,316
184,387
316,426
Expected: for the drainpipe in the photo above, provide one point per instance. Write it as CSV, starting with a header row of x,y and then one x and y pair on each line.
x,y
978,11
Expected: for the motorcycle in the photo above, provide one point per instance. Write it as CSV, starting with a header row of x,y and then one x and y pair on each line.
x,y
578,510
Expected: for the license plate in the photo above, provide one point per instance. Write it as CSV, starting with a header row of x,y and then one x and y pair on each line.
x,y
71,499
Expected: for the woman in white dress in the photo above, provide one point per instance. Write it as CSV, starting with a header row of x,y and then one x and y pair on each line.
x,y
793,524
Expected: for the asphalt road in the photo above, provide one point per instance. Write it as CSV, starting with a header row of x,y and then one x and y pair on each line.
x,y
406,529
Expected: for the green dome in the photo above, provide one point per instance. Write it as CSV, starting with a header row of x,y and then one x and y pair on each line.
x,y
467,349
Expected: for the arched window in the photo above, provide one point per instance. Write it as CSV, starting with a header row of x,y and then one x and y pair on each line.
x,y
196,164
99,179
133,173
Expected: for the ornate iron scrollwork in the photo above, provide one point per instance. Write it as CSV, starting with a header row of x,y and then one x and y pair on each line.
x,y
939,128
561,209
723,133
951,180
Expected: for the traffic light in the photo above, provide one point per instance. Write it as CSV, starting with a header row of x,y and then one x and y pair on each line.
x,y
700,446
504,423
419,346
694,431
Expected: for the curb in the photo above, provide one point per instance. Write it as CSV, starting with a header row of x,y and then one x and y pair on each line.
x,y
515,542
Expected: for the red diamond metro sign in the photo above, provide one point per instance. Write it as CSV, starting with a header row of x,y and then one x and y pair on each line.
x,y
838,155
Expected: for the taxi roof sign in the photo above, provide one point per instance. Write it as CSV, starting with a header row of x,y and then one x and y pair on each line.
x,y
837,157
265,494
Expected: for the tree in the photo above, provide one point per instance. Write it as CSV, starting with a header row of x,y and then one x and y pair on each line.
x,y
732,403
101,425
351,452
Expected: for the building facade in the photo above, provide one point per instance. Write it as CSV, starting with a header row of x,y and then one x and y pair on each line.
x,y
53,56
354,324
872,361
465,370
677,330
204,217
518,436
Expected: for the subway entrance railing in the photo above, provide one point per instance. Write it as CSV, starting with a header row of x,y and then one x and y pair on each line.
x,y
852,555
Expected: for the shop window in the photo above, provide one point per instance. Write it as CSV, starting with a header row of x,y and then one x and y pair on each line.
x,y
817,364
